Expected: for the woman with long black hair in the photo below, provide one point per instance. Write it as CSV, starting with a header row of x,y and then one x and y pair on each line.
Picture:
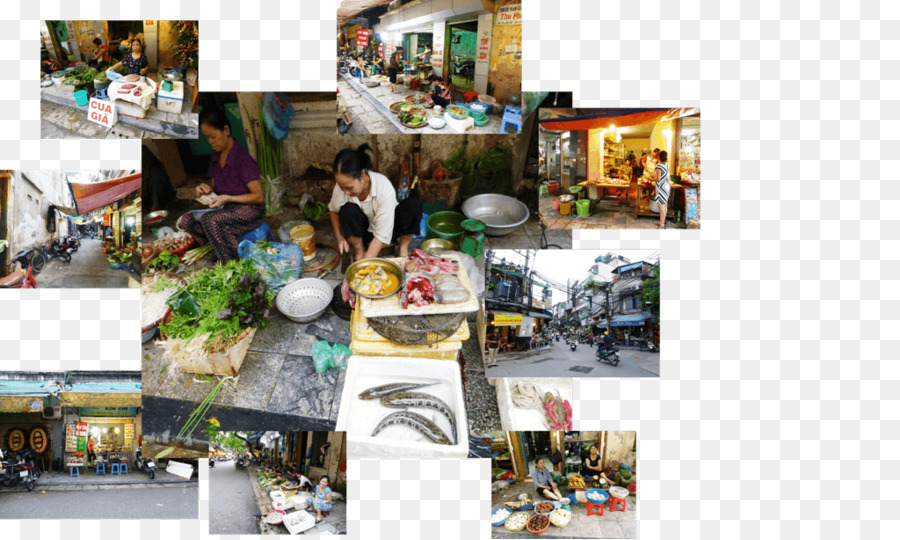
x,y
364,207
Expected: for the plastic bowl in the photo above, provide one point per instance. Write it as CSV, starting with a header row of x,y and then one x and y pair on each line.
x,y
555,505
446,225
304,300
518,528
436,122
617,492
453,110
542,531
499,523
596,492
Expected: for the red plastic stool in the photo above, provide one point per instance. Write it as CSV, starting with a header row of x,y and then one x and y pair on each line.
x,y
591,506
616,504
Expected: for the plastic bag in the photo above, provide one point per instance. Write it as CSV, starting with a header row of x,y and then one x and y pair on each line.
x,y
279,264
451,289
325,356
498,486
341,353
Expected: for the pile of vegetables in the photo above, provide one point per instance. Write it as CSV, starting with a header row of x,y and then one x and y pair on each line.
x,y
166,262
196,254
80,76
101,77
218,304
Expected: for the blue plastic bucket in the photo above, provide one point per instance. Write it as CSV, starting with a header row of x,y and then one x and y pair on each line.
x,y
81,98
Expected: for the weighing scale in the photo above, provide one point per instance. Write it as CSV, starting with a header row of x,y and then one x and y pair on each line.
x,y
473,242
460,126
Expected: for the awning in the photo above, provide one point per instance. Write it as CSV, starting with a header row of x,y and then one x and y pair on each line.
x,y
89,197
619,117
351,8
627,267
632,319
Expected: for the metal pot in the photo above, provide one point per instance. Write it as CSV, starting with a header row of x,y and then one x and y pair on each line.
x,y
500,214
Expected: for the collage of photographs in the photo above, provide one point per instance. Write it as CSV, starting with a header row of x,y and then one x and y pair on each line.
x,y
386,271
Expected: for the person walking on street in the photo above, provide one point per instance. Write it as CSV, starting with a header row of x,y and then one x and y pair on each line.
x,y
662,188
493,343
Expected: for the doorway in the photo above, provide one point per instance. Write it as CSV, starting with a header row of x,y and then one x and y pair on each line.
x,y
120,31
4,221
463,41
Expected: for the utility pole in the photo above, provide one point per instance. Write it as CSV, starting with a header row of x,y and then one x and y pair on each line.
x,y
608,310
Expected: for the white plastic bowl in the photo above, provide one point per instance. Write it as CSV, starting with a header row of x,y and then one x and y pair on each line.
x,y
436,122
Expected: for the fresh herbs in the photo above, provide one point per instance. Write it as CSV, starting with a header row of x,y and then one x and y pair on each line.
x,y
166,262
80,76
101,77
268,156
162,283
197,415
219,303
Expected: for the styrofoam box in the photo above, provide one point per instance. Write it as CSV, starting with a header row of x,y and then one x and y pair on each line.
x,y
277,495
171,101
307,522
358,417
180,469
513,418
282,504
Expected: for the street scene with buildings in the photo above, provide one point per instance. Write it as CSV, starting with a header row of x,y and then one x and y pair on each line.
x,y
618,168
432,66
572,313
119,79
564,484
72,441
70,229
278,482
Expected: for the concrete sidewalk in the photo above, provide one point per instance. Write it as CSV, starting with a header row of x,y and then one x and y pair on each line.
x,y
56,481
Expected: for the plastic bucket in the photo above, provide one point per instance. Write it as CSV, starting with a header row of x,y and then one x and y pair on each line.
x,y
583,207
554,204
553,185
81,97
305,237
565,208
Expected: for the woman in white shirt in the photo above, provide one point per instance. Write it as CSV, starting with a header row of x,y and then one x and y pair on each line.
x,y
364,208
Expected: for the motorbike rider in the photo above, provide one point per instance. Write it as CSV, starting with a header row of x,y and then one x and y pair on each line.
x,y
606,343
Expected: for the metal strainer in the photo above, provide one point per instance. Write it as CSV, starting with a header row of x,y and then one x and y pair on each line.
x,y
304,300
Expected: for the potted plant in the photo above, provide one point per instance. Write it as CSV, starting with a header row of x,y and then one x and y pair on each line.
x,y
185,46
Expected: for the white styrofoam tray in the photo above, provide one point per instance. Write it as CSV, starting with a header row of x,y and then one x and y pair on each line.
x,y
513,418
180,469
358,417
308,522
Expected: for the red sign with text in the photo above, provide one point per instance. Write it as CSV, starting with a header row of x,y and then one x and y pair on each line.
x,y
362,37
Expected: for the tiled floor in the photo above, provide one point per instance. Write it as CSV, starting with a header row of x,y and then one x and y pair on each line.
x,y
604,215
615,524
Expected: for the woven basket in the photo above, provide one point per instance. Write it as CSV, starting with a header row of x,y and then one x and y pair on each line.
x,y
431,191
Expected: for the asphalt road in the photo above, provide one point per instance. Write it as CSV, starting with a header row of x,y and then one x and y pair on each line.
x,y
178,501
558,361
232,504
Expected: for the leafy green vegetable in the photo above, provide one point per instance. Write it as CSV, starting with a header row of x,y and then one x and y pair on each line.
x,y
80,76
220,302
100,77
166,262
162,283
314,211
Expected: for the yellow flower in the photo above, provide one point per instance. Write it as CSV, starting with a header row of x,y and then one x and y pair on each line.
x,y
214,422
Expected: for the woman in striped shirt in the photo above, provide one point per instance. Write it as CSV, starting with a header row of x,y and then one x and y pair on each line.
x,y
662,188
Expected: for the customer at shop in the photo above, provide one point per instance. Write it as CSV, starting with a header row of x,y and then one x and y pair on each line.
x,y
136,60
395,64
543,481
235,180
493,344
440,91
322,501
662,188
100,56
591,467
364,208
91,455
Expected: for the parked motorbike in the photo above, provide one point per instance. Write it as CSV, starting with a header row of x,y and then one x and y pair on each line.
x,y
23,278
71,242
610,356
57,249
144,464
20,468
464,67
212,463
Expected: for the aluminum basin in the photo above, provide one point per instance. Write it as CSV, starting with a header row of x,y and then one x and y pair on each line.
x,y
500,214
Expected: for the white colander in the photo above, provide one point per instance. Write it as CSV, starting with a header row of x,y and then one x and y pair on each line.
x,y
305,299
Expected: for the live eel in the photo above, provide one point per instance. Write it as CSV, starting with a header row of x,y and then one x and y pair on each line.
x,y
413,421
418,400
385,389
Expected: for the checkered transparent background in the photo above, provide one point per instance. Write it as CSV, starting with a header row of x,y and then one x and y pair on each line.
x,y
771,416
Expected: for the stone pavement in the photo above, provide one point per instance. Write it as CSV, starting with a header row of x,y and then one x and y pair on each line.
x,y
615,524
604,215
89,480
89,269
61,118
370,107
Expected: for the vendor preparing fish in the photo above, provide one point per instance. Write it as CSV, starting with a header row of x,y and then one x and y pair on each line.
x,y
414,421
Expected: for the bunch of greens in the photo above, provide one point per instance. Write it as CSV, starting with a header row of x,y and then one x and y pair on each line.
x,y
166,262
268,156
100,77
162,283
219,303
80,76
314,211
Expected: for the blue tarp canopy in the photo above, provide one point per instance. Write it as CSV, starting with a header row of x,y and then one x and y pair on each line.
x,y
632,319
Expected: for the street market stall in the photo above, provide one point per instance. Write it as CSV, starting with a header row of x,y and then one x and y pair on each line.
x,y
598,167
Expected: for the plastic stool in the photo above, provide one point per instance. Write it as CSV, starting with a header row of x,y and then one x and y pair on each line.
x,y
511,115
100,465
103,94
263,231
73,471
123,468
616,504
591,506
115,468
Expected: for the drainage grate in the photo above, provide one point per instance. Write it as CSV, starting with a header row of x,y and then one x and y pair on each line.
x,y
581,369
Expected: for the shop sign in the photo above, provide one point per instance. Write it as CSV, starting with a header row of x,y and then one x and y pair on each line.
x,y
483,52
36,405
507,319
129,432
38,440
16,439
362,37
437,53
71,438
118,412
507,15
102,112
381,50
81,429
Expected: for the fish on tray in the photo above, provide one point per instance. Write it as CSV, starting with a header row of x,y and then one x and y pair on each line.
x,y
385,389
416,422
419,400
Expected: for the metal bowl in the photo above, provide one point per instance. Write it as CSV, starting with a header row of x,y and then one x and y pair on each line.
x,y
388,266
436,245
154,217
304,300
500,214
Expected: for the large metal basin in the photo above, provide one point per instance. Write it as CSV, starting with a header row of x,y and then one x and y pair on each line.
x,y
501,214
